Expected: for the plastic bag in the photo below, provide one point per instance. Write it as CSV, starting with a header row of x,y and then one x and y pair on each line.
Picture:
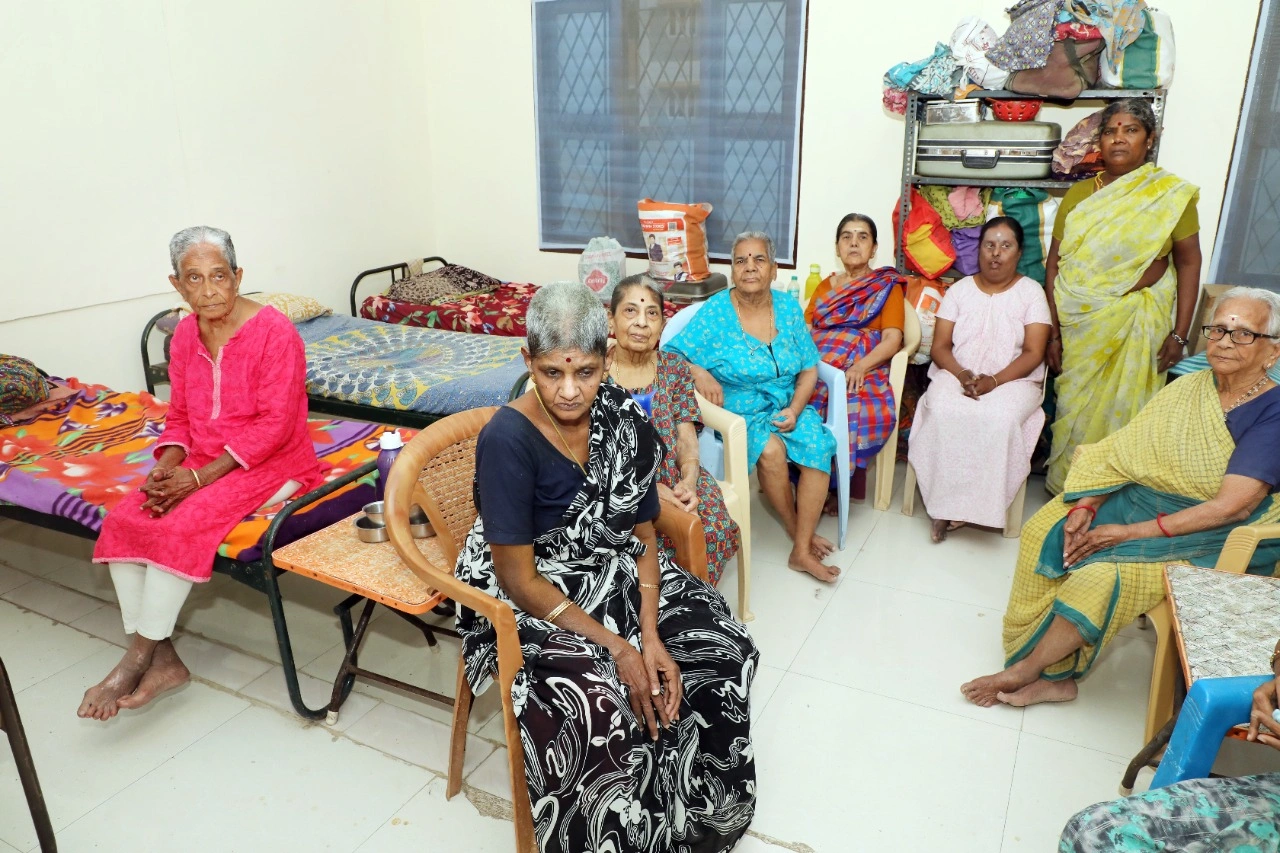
x,y
1148,62
927,248
675,239
972,38
925,297
603,264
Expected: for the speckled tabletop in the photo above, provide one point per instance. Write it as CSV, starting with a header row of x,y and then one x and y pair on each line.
x,y
335,556
1227,624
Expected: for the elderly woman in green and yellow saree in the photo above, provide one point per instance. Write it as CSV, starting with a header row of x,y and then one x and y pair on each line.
x,y
1197,461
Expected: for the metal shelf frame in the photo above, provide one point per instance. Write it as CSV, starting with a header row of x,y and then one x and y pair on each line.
x,y
911,135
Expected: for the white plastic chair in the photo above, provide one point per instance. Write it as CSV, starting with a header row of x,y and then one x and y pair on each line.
x,y
887,458
1012,516
837,423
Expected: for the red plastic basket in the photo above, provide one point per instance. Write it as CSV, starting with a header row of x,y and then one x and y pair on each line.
x,y
1015,110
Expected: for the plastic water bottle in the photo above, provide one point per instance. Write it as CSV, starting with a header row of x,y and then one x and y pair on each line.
x,y
811,283
389,444
794,287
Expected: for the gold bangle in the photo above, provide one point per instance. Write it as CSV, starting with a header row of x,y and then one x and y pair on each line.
x,y
196,474
560,608
650,586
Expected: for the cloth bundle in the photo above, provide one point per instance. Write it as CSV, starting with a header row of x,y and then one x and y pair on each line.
x,y
927,242
1079,153
21,386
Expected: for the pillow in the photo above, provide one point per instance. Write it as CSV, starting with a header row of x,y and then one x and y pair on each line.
x,y
446,284
21,386
297,308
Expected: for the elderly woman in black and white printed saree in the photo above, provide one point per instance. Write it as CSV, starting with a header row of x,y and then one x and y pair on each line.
x,y
633,699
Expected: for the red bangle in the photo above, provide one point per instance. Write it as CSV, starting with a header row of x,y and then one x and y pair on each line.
x,y
1093,513
1160,524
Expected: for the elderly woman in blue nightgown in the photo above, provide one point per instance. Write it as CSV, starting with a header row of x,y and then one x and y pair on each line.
x,y
750,351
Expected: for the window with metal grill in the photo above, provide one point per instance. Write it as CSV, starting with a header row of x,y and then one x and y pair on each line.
x,y
677,100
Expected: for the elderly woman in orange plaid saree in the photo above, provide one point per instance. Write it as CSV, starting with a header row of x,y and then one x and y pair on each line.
x,y
857,320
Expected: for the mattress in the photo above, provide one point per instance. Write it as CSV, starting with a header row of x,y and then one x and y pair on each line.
x,y
408,368
500,312
79,459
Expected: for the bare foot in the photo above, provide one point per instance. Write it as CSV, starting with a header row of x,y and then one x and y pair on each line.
x,y
832,506
812,565
821,547
166,672
985,691
938,530
101,700
956,525
1041,690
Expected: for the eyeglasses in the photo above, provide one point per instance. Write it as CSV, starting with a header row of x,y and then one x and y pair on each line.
x,y
1244,337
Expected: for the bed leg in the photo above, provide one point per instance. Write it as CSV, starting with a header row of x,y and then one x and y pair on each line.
x,y
286,648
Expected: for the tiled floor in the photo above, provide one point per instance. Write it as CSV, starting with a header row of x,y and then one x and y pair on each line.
x,y
862,740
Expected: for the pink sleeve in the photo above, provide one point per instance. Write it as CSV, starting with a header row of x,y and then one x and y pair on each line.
x,y
177,426
1037,304
279,393
950,307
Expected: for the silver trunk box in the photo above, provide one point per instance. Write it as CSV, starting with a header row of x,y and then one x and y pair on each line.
x,y
995,150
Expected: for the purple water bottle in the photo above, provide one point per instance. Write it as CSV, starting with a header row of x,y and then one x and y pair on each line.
x,y
389,444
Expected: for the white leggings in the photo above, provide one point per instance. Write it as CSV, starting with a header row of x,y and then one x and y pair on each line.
x,y
150,598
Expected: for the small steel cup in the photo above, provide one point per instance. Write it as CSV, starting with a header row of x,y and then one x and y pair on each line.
x,y
370,532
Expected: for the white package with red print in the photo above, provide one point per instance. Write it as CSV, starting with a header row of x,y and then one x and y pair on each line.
x,y
675,239
603,264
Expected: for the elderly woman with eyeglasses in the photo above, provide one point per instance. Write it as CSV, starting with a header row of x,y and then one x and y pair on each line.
x,y
1197,461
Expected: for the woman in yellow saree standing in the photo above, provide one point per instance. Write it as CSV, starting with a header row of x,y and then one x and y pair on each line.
x,y
1122,277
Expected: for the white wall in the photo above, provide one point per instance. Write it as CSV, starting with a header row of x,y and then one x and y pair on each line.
x,y
297,126
483,170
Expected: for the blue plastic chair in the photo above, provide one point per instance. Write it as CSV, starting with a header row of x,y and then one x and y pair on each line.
x,y
1212,708
837,422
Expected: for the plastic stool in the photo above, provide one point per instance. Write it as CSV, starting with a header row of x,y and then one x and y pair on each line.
x,y
1212,708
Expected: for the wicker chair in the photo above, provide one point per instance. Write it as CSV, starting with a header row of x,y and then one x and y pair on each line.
x,y
11,724
435,470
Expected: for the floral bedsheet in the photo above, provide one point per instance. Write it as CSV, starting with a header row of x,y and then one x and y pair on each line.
x,y
78,459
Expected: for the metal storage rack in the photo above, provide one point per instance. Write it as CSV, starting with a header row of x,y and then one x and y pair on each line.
x,y
915,117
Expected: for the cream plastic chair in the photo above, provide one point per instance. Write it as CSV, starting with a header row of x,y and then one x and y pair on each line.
x,y
886,459
733,477
1012,516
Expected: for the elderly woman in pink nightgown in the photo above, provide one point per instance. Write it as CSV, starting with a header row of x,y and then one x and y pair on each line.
x,y
235,439
976,426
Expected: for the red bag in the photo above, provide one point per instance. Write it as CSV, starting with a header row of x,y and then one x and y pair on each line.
x,y
928,248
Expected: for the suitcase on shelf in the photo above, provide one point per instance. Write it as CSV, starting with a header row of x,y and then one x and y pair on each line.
x,y
991,150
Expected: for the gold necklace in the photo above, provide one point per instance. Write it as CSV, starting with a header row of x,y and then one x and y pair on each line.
x,y
651,367
1246,395
555,427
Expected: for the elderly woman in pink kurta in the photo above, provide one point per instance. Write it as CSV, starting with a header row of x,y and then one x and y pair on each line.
x,y
235,439
976,426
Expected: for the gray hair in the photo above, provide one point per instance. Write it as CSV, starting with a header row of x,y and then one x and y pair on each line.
x,y
188,238
755,235
567,315
1257,294
640,279
1136,107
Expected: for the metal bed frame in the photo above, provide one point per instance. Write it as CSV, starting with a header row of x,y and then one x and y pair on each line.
x,y
260,574
156,373
398,272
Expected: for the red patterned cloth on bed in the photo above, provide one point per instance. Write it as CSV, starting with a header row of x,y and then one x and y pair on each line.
x,y
79,458
498,313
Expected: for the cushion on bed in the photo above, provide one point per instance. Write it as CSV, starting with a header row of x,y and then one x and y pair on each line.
x,y
446,284
21,386
296,307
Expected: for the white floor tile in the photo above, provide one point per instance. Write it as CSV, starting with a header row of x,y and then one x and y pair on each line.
x,y
58,603
1111,711
270,688
787,606
397,649
235,615
881,767
34,647
217,663
92,579
1051,782
973,566
770,543
282,785
104,623
762,689
753,844
429,822
906,646
40,552
11,578
82,763
493,775
414,738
